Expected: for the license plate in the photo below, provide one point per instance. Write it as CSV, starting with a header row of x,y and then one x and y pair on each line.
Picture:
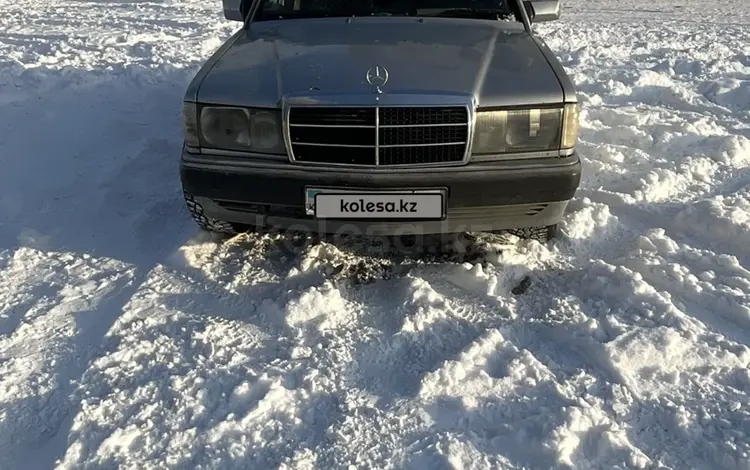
x,y
351,204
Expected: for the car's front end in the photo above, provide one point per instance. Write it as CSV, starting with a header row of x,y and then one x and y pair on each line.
x,y
381,125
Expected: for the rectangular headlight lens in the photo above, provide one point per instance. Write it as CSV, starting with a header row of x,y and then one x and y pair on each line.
x,y
523,130
253,130
570,126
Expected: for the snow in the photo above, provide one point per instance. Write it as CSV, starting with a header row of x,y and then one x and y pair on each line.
x,y
130,340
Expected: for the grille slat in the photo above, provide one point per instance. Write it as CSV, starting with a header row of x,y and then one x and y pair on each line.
x,y
424,115
419,155
423,135
336,116
384,136
334,154
333,136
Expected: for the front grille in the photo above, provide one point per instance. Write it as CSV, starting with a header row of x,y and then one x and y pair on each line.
x,y
379,136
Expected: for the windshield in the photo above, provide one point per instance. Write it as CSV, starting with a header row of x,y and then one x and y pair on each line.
x,y
503,10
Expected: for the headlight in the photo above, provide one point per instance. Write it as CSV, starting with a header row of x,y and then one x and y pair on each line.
x,y
523,130
253,130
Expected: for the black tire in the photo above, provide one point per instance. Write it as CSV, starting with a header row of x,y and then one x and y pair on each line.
x,y
206,223
540,234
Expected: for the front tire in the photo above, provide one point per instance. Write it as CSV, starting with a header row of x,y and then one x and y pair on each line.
x,y
540,234
207,223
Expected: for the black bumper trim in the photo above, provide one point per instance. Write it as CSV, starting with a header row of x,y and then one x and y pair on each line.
x,y
473,185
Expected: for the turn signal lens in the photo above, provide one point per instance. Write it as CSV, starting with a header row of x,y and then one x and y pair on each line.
x,y
190,124
570,126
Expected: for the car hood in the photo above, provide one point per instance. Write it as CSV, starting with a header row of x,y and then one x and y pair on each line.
x,y
499,63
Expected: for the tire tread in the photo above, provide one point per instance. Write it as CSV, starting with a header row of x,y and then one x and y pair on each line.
x,y
205,222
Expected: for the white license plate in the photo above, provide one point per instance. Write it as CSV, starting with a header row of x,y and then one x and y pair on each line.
x,y
336,204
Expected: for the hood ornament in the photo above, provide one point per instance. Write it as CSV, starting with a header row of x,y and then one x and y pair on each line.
x,y
377,77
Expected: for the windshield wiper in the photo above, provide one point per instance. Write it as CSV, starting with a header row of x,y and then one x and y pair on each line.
x,y
479,13
322,13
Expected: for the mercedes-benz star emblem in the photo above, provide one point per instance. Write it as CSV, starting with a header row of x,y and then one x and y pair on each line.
x,y
377,77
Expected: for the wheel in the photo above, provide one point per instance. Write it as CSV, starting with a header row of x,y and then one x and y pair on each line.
x,y
540,234
207,223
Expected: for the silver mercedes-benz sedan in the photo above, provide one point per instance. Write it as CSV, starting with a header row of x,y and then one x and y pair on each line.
x,y
382,117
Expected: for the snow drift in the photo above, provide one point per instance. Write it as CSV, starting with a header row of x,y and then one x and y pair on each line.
x,y
129,340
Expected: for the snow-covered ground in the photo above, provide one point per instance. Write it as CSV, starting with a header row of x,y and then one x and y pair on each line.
x,y
129,340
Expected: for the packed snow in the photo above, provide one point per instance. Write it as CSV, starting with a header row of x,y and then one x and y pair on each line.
x,y
128,339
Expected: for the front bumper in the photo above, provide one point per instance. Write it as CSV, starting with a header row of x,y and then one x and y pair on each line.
x,y
480,196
